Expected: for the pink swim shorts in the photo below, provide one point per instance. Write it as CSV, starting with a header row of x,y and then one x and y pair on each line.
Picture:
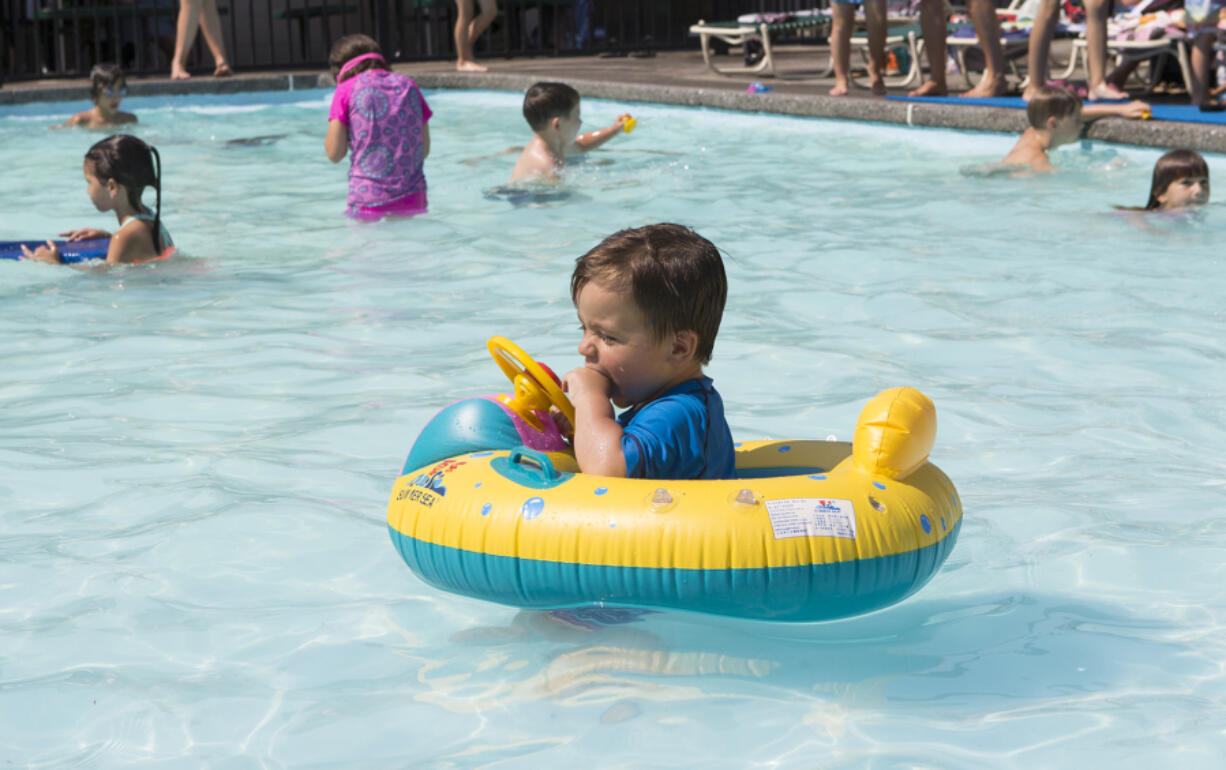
x,y
408,206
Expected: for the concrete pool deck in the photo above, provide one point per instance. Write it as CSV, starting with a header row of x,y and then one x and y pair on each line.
x,y
673,77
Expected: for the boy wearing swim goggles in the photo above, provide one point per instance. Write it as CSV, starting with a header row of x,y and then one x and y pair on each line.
x,y
107,88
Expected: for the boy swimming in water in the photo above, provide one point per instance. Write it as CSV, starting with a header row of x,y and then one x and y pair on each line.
x,y
107,88
1056,118
552,110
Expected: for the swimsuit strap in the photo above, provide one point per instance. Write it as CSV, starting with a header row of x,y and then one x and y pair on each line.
x,y
139,216
162,234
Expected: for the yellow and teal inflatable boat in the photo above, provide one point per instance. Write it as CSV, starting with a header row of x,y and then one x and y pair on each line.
x,y
491,504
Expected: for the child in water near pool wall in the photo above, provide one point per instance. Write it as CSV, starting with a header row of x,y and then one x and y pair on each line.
x,y
1056,117
1181,180
380,118
552,111
117,171
107,88
649,302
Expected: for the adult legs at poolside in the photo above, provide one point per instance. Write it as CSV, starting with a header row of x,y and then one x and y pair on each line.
x,y
190,13
987,28
1096,48
840,44
468,28
1202,59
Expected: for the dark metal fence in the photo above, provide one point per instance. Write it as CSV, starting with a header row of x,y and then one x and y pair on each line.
x,y
65,38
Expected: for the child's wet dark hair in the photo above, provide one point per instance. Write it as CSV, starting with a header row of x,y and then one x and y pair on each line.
x,y
675,276
1170,168
1051,102
131,163
545,101
104,76
352,46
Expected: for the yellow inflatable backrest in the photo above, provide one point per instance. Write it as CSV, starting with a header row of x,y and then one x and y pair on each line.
x,y
894,433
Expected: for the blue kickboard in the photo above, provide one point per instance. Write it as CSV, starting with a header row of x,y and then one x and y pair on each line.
x,y
70,251
1183,113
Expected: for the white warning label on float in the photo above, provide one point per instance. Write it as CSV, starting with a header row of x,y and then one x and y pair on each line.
x,y
812,517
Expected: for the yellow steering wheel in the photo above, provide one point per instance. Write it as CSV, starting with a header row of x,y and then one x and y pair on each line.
x,y
535,388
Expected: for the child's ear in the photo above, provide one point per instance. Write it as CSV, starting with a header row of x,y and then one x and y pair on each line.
x,y
685,347
555,123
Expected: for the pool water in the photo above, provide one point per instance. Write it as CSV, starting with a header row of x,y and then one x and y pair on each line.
x,y
197,454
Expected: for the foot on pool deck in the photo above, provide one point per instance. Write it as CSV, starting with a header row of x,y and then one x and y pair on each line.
x,y
1105,92
178,73
878,87
930,88
840,89
222,70
470,66
987,88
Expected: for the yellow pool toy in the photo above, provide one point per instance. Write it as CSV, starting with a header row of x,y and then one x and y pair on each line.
x,y
810,530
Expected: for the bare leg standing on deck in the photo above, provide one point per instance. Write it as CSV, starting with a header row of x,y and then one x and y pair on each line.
x,y
190,13
468,29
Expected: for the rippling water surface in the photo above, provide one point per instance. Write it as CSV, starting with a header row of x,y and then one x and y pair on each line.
x,y
197,454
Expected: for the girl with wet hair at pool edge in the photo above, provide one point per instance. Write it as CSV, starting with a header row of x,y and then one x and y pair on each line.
x,y
117,171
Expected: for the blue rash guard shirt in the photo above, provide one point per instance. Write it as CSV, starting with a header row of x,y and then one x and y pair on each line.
x,y
680,435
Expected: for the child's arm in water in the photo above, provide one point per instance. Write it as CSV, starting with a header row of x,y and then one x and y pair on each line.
x,y
336,143
130,244
80,119
85,234
481,158
593,139
598,437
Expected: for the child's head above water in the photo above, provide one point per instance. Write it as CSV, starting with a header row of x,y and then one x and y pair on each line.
x,y
650,301
1056,110
121,167
108,84
544,102
1051,102
351,47
1181,179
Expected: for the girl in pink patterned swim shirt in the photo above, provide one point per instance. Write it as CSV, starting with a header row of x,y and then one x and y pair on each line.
x,y
379,117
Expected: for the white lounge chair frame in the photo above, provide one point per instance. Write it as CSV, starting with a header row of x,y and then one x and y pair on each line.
x,y
739,35
1136,50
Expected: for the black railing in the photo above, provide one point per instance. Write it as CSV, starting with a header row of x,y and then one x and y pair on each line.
x,y
65,38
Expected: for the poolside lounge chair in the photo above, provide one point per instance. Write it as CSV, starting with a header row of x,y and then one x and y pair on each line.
x,y
1124,51
1139,35
756,26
